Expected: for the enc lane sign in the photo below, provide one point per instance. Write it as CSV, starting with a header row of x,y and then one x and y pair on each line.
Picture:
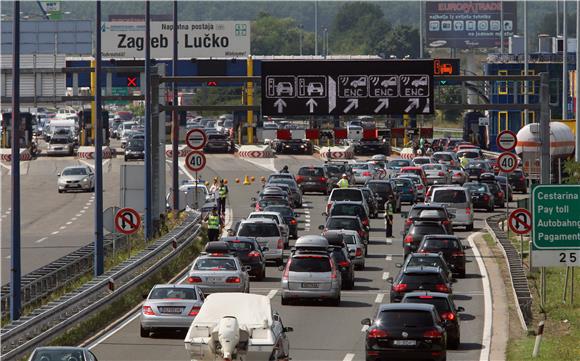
x,y
520,221
195,161
507,162
340,87
196,139
127,221
506,141
556,225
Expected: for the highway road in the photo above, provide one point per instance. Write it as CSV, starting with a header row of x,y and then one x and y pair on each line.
x,y
320,332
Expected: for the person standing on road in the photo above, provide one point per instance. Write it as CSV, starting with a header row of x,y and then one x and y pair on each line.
x,y
213,226
223,195
389,211
464,161
213,190
343,182
285,169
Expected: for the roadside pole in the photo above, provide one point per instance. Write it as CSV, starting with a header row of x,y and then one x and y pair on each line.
x,y
564,61
148,155
15,272
250,113
91,140
545,161
175,133
97,131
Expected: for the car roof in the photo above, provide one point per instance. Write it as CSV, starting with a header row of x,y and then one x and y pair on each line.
x,y
76,166
428,206
344,217
422,269
426,223
427,293
174,285
406,307
453,188
340,231
265,213
431,254
258,220
238,238
441,236
348,202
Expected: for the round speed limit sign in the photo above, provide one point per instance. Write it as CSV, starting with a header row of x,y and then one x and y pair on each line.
x,y
195,161
507,162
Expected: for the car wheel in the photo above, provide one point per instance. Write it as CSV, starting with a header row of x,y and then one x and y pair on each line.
x,y
351,284
261,275
60,191
285,301
469,228
454,343
335,302
144,332
366,250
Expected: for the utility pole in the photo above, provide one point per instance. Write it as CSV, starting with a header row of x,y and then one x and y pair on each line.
x,y
501,26
175,132
315,27
99,268
421,9
526,64
564,61
577,82
148,155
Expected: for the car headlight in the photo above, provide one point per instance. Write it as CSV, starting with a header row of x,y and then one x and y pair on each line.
x,y
85,180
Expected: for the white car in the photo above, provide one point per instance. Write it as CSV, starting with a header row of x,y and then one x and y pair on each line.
x,y
78,178
267,234
276,217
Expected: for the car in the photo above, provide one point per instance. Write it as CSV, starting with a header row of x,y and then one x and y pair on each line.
x,y
58,353
276,217
349,208
397,164
383,189
458,175
356,247
261,204
505,187
314,179
419,161
447,158
275,176
295,146
218,143
419,278
268,235
450,247
405,331
135,150
311,275
517,180
369,146
347,194
436,173
475,169
360,82
422,81
363,172
372,201
352,223
417,230
470,154
219,272
288,216
428,260
343,168
418,171
445,307
405,189
430,212
481,196
295,192
341,258
458,201
279,186
170,306
315,88
77,178
420,188
60,145
250,253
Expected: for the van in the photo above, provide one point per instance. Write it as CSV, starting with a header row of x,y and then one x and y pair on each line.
x,y
347,194
458,201
267,234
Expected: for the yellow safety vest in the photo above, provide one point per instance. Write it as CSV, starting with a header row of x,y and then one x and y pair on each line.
x,y
389,209
213,222
223,192
343,183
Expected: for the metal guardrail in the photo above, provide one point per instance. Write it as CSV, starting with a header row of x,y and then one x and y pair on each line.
x,y
519,281
51,320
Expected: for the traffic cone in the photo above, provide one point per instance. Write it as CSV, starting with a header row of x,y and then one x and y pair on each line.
x,y
253,179
225,181
246,180
238,180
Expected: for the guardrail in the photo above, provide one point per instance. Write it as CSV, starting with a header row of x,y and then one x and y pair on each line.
x,y
51,320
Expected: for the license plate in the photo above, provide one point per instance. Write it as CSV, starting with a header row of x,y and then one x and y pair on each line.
x,y
309,285
213,279
404,342
172,310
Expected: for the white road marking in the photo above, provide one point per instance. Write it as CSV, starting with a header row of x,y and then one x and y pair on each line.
x,y
364,328
55,232
379,298
389,241
8,257
385,276
4,216
73,218
487,304
82,211
62,227
307,216
78,214
389,258
272,294
68,223
348,357
86,207
41,240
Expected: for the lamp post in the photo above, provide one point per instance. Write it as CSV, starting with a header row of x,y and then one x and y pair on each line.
x,y
300,32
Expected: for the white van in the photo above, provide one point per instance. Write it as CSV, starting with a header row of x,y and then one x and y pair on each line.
x,y
458,201
267,234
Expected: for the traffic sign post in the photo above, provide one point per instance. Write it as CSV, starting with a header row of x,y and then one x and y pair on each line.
x,y
506,141
520,222
195,161
127,221
362,87
196,139
507,162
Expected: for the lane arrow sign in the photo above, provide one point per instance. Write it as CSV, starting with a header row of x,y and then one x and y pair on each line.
x,y
383,103
413,104
311,103
427,109
280,104
353,104
331,95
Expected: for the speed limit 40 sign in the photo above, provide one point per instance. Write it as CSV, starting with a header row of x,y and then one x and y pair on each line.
x,y
507,162
195,161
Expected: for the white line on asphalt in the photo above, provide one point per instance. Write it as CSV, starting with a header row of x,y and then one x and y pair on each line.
x,y
9,208
348,357
86,207
41,240
73,219
82,211
78,214
389,258
62,227
68,223
389,241
385,276
7,212
8,257
272,294
307,216
4,216
55,232
379,298
364,328
487,306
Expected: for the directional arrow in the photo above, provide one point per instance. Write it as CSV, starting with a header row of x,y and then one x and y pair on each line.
x,y
311,103
353,104
383,103
331,95
280,104
413,104
427,109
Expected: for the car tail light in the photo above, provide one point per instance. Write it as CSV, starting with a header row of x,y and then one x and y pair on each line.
x,y
233,280
408,239
358,252
458,254
293,221
458,174
299,179
401,287
441,174
500,194
468,211
424,251
322,179
408,222
485,197
280,244
441,287
361,233
420,186
448,316
377,333
328,205
434,333
147,310
365,222
287,270
344,263
194,311
445,222
194,280
366,174
425,297
254,254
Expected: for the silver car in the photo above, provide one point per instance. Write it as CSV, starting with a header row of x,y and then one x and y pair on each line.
x,y
311,275
447,158
356,248
60,145
170,307
436,173
363,172
78,178
47,353
219,273
458,201
458,175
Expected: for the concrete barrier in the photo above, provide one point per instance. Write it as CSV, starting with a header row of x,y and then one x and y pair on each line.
x,y
89,152
183,150
6,154
337,152
255,151
407,153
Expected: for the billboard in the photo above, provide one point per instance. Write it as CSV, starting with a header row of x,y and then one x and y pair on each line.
x,y
469,24
197,39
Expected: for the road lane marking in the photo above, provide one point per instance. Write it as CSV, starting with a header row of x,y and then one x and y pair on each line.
x,y
487,305
86,207
4,216
307,216
73,218
62,227
68,223
78,214
389,241
55,232
379,298
389,258
82,211
41,240
364,328
385,276
272,294
8,257
348,357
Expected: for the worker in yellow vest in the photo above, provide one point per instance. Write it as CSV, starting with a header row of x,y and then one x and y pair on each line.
x,y
222,196
343,182
213,226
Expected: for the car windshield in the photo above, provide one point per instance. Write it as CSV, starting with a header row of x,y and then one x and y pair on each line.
x,y
493,187
441,304
58,355
173,293
449,196
380,187
259,230
405,318
215,264
361,166
75,171
310,264
421,278
136,144
425,261
354,195
427,213
59,141
287,181
432,167
442,156
332,170
311,172
399,163
347,210
342,223
217,137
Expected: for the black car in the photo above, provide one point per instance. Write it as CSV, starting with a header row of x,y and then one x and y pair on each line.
x,y
383,189
481,196
420,278
217,142
431,212
343,168
342,261
349,208
249,253
476,168
447,310
428,260
352,223
498,194
451,249
405,331
314,179
372,201
517,180
505,187
135,149
370,146
288,216
294,146
416,232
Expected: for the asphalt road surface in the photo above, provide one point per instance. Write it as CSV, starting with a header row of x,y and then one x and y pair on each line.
x,y
320,332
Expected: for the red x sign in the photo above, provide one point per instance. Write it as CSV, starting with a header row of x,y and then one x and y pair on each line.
x,y
131,81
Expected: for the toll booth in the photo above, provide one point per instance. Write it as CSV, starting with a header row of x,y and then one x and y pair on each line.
x,y
85,127
25,130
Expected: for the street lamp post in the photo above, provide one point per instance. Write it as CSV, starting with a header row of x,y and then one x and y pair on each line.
x,y
300,32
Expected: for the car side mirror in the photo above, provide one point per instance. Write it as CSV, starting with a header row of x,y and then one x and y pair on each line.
x,y
365,321
58,174
288,329
280,268
460,309
321,227
389,280
399,265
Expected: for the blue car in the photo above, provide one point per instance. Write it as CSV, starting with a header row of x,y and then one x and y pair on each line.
x,y
406,190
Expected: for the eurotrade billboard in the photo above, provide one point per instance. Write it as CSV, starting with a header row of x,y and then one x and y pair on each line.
x,y
469,24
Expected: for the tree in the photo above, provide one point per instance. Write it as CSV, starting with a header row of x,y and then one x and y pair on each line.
x,y
403,40
572,170
279,36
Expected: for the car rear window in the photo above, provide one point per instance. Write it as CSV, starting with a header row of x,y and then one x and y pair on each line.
x,y
267,216
333,170
424,229
342,223
438,243
284,211
402,183
442,156
259,230
215,264
429,213
349,239
449,196
361,166
399,163
348,210
354,195
241,246
493,187
477,187
339,255
311,172
173,293
440,304
59,141
380,187
310,264
424,261
432,167
405,318
421,278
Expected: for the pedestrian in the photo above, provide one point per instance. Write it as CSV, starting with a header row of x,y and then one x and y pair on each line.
x,y
285,169
343,182
389,216
213,190
222,197
464,161
213,226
